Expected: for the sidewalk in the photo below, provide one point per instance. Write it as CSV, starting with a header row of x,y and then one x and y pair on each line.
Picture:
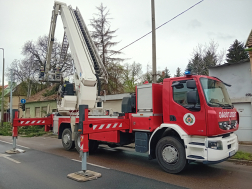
x,y
245,148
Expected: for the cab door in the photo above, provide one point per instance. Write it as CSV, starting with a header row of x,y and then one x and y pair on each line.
x,y
190,117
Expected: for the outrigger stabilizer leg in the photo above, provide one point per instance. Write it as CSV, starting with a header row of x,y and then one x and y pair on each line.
x,y
14,137
84,174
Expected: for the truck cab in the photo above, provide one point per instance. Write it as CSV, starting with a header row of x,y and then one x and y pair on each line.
x,y
199,121
200,105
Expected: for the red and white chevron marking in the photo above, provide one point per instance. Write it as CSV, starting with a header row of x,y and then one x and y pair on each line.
x,y
107,126
81,142
32,122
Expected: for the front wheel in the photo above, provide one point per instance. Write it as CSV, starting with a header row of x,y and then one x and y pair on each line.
x,y
67,142
170,154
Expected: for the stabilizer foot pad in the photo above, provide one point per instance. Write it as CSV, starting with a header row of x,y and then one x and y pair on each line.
x,y
80,176
14,151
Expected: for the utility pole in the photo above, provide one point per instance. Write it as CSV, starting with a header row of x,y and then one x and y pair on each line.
x,y
2,108
154,72
11,98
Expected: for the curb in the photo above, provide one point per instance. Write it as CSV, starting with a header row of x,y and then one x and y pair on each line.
x,y
240,161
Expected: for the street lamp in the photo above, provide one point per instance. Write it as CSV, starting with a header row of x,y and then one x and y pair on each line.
x,y
2,108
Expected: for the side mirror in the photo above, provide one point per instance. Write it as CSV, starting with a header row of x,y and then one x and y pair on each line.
x,y
191,84
192,97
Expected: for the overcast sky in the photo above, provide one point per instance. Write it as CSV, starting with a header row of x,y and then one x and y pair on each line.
x,y
220,20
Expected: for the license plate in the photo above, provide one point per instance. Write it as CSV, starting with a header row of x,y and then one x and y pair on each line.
x,y
231,153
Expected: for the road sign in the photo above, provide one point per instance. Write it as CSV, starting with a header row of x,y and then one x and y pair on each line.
x,y
23,101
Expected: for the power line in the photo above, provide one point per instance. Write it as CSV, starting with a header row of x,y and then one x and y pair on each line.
x,y
159,26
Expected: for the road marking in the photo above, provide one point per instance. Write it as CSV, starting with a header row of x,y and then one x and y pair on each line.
x,y
12,143
92,164
7,157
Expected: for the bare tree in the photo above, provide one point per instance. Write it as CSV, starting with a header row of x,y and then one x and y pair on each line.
x,y
36,53
204,57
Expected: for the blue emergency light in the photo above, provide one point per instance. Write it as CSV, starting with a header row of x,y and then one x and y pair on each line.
x,y
188,72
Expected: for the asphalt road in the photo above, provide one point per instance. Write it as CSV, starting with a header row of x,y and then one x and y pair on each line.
x,y
40,170
126,163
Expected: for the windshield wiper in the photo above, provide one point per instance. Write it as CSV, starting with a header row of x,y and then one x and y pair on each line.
x,y
223,105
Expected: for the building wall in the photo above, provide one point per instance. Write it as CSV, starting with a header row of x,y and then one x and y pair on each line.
x,y
39,109
113,105
239,76
15,103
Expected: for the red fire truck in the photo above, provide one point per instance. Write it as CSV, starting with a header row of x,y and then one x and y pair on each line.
x,y
184,119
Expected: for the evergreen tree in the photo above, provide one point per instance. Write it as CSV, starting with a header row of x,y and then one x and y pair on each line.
x,y
178,73
165,74
205,57
102,36
236,52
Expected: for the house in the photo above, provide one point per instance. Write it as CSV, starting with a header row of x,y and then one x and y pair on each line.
x,y
239,75
113,103
42,103
18,93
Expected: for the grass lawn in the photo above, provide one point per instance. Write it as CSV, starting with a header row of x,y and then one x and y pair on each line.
x,y
242,156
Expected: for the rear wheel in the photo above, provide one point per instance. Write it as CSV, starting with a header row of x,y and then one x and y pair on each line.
x,y
67,142
93,144
170,154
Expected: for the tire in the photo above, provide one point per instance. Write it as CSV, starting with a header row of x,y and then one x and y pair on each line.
x,y
93,144
170,153
67,142
77,142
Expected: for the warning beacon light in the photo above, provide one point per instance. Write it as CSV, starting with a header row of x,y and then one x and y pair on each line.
x,y
188,72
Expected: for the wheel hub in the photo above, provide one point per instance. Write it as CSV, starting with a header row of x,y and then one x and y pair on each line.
x,y
66,139
170,154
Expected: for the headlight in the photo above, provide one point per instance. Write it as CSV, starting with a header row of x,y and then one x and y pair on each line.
x,y
225,125
217,145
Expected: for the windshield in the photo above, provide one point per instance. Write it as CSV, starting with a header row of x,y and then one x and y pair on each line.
x,y
215,93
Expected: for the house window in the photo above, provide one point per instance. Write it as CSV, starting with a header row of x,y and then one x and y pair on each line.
x,y
44,111
27,113
37,111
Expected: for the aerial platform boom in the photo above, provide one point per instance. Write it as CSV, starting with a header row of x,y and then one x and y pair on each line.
x,y
88,65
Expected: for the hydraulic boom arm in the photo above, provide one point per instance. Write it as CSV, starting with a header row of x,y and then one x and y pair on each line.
x,y
88,65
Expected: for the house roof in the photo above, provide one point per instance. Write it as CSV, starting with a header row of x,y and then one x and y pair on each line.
x,y
228,64
18,91
40,95
5,86
249,41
